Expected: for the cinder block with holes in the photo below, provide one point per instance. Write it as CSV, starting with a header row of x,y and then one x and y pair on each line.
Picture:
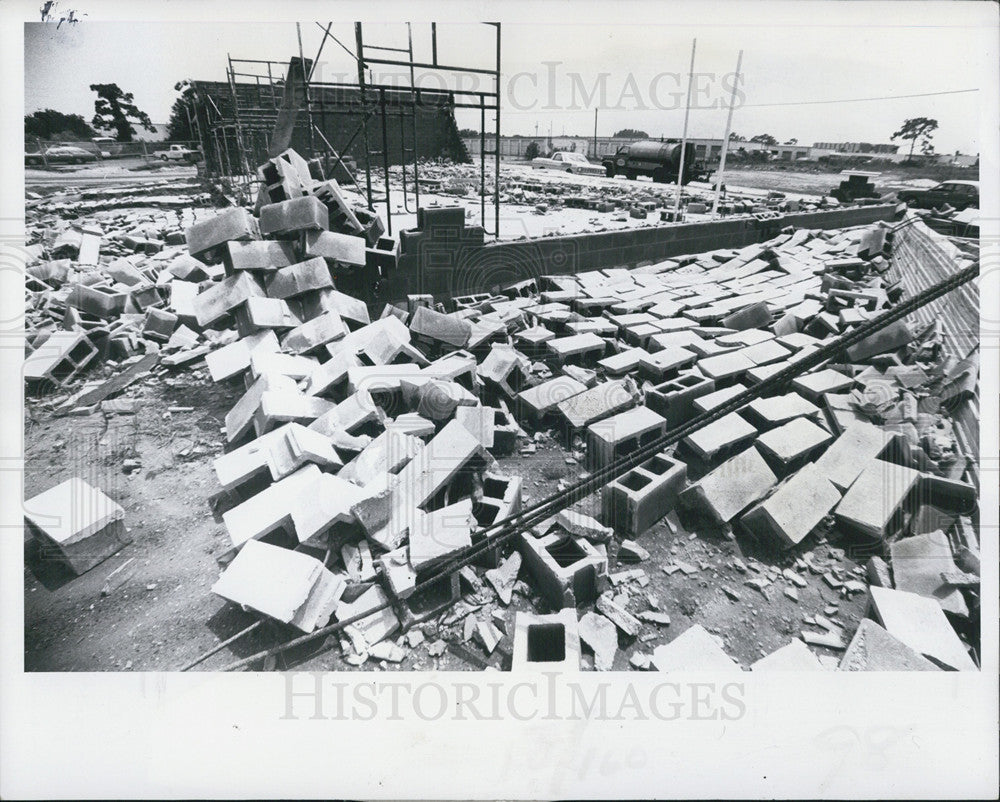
x,y
621,434
568,570
60,358
640,498
674,399
546,642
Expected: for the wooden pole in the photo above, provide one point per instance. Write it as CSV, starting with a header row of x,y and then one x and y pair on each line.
x,y
725,139
687,113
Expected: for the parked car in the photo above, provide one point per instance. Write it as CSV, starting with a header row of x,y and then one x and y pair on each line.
x,y
957,194
177,153
568,162
61,154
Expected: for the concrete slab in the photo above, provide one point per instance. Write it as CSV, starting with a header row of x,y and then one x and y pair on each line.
x,y
793,656
920,623
732,487
793,441
874,649
873,502
727,432
794,509
693,650
848,455
917,565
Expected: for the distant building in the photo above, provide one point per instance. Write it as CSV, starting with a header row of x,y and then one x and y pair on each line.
x,y
855,147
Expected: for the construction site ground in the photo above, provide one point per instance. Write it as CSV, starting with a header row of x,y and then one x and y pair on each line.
x,y
159,613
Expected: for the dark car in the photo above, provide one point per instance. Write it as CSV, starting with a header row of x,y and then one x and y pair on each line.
x,y
61,154
956,194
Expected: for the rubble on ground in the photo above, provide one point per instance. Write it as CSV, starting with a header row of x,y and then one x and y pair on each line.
x,y
366,448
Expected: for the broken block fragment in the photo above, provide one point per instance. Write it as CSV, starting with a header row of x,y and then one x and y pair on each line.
x,y
77,523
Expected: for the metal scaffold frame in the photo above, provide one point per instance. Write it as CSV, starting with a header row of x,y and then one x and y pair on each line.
x,y
248,129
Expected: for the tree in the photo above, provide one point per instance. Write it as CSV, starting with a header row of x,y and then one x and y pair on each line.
x,y
115,110
792,141
531,152
916,128
765,139
467,132
734,137
631,133
51,124
179,126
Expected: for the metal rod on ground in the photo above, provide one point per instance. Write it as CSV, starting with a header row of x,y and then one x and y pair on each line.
x,y
725,139
220,646
539,512
684,134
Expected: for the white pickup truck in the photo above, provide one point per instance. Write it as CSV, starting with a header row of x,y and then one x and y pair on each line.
x,y
177,153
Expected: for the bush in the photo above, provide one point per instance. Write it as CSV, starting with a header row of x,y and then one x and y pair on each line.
x,y
531,152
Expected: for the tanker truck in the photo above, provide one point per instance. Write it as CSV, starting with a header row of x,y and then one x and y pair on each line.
x,y
659,160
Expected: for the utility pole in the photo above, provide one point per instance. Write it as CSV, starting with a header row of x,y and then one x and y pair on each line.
x,y
687,113
595,132
725,140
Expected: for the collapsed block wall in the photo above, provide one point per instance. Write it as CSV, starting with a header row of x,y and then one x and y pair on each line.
x,y
437,131
921,258
447,262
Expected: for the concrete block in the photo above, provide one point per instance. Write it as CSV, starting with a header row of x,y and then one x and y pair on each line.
x,y
793,656
873,504
267,361
420,481
674,399
248,461
340,249
446,329
441,534
313,334
597,403
723,435
377,626
874,649
186,268
330,375
224,296
693,650
479,420
621,434
266,255
306,213
755,316
323,502
568,571
282,584
623,362
704,403
578,349
920,623
732,487
60,358
666,363
546,642
240,418
283,406
793,443
725,367
350,415
269,510
891,338
917,565
76,523
204,238
159,325
297,279
769,412
99,301
848,455
538,401
640,498
504,370
399,574
298,446
797,507
814,386
387,453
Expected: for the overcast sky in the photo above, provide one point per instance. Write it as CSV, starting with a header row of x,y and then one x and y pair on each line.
x,y
555,74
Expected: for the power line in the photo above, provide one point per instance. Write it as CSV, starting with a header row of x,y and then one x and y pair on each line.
x,y
857,99
762,105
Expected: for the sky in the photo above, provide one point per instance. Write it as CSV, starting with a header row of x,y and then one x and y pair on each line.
x,y
555,74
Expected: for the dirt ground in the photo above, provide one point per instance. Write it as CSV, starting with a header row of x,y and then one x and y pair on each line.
x,y
157,613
